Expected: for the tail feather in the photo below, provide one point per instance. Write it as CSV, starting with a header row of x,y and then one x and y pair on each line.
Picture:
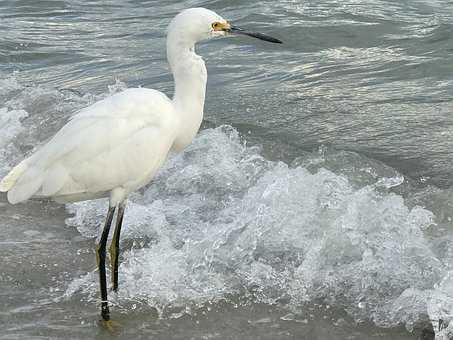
x,y
21,182
10,179
23,191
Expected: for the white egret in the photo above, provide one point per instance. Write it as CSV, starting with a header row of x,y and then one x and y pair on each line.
x,y
117,145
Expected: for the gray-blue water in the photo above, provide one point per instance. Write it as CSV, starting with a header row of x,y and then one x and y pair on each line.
x,y
315,204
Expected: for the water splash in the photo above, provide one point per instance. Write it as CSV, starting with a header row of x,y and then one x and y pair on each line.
x,y
222,221
10,125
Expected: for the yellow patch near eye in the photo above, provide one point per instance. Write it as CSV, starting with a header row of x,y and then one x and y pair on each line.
x,y
220,26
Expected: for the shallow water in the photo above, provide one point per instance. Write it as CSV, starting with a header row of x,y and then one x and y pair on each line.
x,y
315,203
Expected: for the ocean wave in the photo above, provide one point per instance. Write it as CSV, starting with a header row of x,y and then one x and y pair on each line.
x,y
221,222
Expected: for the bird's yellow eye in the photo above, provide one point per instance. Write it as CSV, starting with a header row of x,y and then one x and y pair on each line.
x,y
220,26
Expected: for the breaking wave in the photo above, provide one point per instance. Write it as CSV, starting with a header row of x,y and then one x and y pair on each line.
x,y
223,223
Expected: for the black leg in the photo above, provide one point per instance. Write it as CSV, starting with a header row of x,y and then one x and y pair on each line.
x,y
100,252
115,246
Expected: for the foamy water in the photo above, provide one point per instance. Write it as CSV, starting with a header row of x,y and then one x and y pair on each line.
x,y
221,223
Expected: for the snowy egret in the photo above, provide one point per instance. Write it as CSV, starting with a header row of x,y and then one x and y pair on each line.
x,y
117,145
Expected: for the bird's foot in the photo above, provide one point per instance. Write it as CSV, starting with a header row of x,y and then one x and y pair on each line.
x,y
111,326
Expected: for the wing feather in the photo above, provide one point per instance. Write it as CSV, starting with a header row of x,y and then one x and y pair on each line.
x,y
119,141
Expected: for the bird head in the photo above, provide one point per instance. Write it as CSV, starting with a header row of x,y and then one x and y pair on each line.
x,y
197,24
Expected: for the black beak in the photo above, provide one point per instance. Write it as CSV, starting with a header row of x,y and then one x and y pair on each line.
x,y
237,30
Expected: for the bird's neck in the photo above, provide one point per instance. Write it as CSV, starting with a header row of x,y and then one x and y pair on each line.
x,y
189,73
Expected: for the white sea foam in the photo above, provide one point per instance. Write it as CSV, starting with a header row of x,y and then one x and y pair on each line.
x,y
10,127
222,221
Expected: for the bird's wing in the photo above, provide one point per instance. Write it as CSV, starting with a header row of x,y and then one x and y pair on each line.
x,y
124,113
119,141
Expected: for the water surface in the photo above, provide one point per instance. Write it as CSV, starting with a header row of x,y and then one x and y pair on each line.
x,y
316,202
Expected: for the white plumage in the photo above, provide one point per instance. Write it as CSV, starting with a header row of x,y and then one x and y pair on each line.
x,y
119,142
